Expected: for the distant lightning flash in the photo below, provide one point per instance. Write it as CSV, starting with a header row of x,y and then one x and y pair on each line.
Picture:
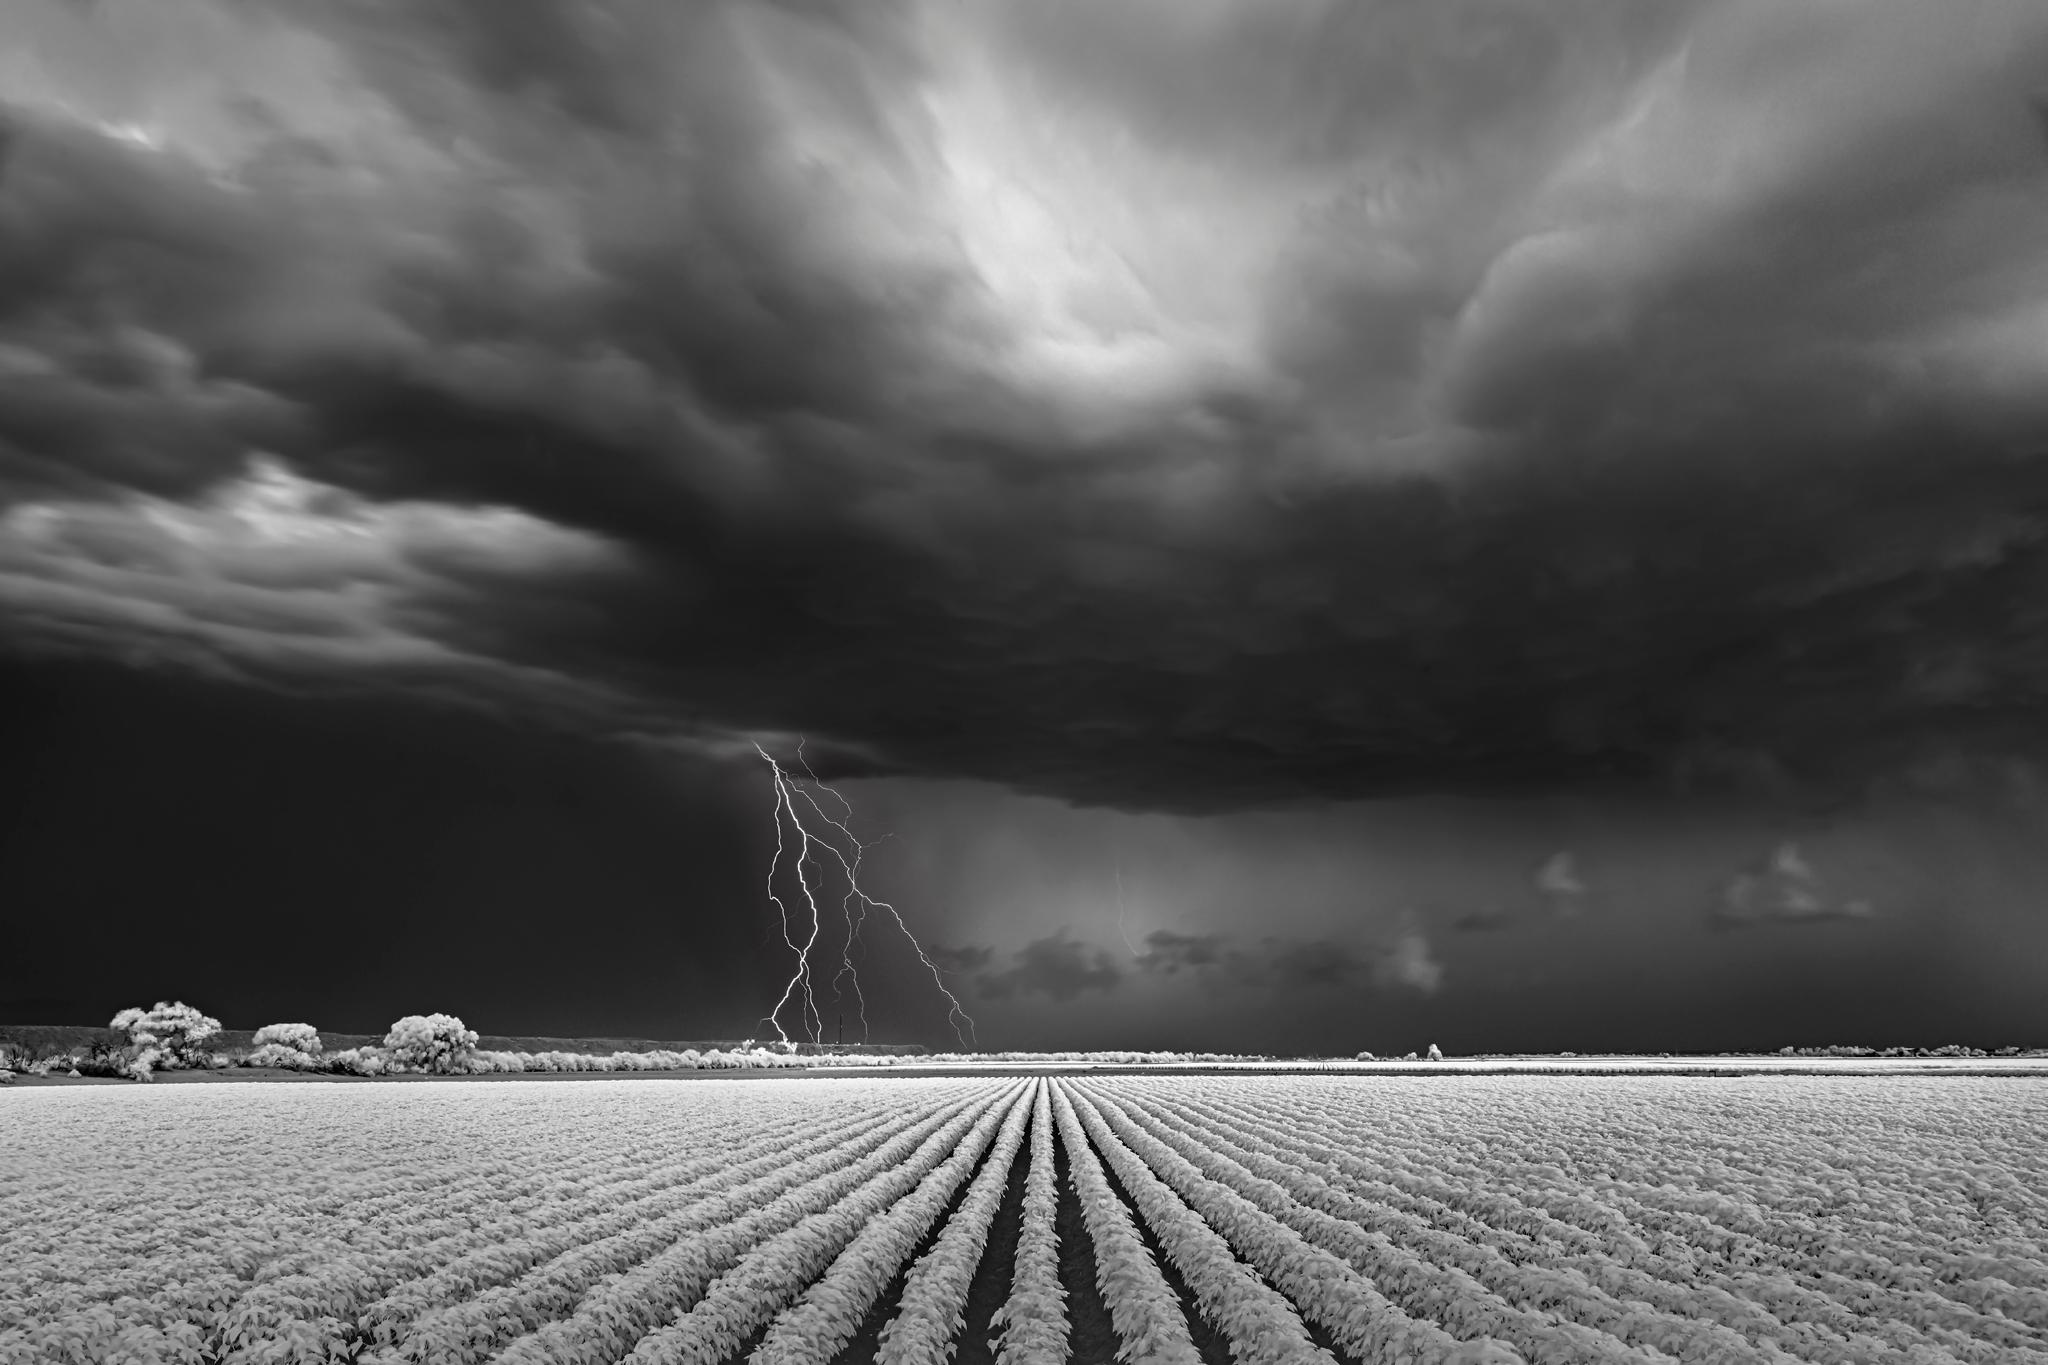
x,y
855,905
1120,910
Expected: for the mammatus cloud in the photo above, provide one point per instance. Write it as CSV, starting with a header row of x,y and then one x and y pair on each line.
x,y
1784,889
1159,405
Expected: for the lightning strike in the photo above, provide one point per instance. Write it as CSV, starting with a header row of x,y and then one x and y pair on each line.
x,y
855,914
800,981
855,904
1121,931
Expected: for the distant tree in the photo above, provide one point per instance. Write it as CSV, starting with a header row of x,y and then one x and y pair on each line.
x,y
299,1037
167,1037
295,1046
436,1043
1435,1053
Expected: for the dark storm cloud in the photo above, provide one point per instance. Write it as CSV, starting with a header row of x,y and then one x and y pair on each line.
x,y
971,957
1169,951
1282,963
1174,406
1058,966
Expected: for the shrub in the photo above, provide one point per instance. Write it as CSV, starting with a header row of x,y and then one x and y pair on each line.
x,y
167,1037
100,1059
360,1061
434,1043
295,1047
298,1037
21,1057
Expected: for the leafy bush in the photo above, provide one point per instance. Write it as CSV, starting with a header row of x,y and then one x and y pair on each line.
x,y
296,1047
434,1043
298,1037
34,1061
167,1037
359,1061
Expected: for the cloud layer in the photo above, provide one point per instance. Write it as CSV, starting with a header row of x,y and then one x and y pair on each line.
x,y
1176,404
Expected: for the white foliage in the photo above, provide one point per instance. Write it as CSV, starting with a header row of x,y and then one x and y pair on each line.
x,y
169,1035
434,1043
298,1037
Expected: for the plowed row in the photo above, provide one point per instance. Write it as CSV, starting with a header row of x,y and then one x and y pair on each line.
x,y
1020,1220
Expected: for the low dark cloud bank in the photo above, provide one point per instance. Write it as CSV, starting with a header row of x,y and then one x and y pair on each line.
x,y
1115,403
1062,967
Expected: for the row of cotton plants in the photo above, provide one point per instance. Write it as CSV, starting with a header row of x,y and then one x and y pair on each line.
x,y
1848,1250
1518,1307
1680,1319
853,1271
846,1254
933,1307
481,1297
1261,1325
1032,1323
1142,1306
110,1263
379,1296
1330,1291
1538,1278
609,1320
590,1297
448,1261
1888,1275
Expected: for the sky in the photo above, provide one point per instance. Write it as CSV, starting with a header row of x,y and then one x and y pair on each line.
x,y
1285,526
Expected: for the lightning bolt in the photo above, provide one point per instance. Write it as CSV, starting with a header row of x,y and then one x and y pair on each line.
x,y
856,915
1121,931
855,904
799,986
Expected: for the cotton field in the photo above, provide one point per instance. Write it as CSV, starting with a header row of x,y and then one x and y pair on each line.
x,y
1190,1219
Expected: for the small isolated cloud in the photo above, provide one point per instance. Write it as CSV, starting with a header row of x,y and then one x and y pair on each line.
x,y
1559,884
1058,966
1409,963
1785,889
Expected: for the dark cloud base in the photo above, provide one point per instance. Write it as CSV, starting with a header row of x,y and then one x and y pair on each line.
x,y
1677,524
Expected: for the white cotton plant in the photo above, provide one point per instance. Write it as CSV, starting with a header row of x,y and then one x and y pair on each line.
x,y
435,1043
167,1037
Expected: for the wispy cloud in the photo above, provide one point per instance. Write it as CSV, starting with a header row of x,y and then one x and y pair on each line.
x,y
1783,889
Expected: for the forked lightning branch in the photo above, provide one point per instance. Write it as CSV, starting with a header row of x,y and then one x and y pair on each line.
x,y
822,841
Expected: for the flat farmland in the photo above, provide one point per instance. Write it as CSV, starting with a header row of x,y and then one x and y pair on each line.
x,y
1183,1218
